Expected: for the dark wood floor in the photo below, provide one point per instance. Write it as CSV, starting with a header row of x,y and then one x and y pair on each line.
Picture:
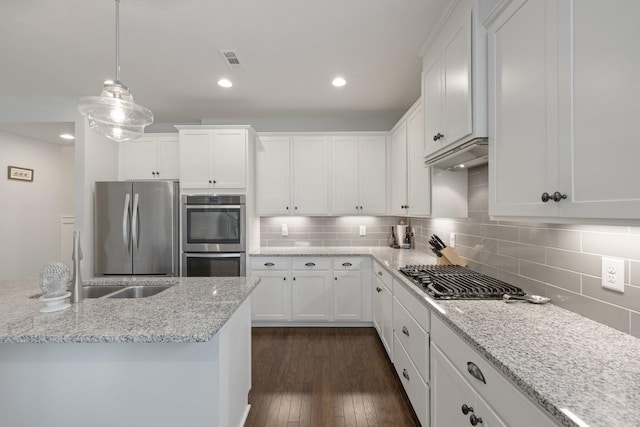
x,y
321,377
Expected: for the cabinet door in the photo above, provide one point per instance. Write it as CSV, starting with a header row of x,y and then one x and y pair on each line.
x,y
138,159
273,175
194,159
449,391
457,80
387,319
311,295
168,155
229,158
347,295
599,96
344,175
398,154
433,92
523,110
378,288
271,300
419,176
372,176
311,157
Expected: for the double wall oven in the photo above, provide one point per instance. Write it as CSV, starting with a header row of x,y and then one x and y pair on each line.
x,y
213,235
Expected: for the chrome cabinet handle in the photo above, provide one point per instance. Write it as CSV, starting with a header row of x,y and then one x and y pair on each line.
x,y
379,273
475,372
310,264
378,289
438,136
346,264
405,374
269,264
405,331
557,196
466,409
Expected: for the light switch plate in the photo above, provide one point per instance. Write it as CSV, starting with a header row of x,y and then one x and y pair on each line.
x,y
613,274
285,230
363,230
452,240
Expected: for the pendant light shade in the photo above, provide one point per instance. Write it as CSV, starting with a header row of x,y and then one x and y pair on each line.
x,y
113,113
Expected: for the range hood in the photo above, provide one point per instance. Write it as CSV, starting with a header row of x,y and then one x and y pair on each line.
x,y
471,153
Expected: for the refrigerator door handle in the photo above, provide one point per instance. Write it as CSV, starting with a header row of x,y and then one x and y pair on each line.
x,y
134,222
125,221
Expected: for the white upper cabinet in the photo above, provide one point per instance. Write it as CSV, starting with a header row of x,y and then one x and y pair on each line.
x,y
358,175
417,190
213,157
273,175
454,81
310,184
149,157
563,110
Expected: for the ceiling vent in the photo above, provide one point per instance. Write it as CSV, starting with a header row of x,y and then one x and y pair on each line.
x,y
231,59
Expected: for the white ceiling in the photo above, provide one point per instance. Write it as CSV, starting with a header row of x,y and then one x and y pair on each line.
x,y
290,50
44,132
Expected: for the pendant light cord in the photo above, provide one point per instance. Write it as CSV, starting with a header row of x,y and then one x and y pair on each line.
x,y
117,41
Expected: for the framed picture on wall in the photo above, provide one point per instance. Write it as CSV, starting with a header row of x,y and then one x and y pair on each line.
x,y
20,174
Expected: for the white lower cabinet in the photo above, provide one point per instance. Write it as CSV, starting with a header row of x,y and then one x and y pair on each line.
x,y
454,402
382,284
319,290
415,387
487,394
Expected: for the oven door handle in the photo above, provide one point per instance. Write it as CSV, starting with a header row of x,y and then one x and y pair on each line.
x,y
213,206
213,255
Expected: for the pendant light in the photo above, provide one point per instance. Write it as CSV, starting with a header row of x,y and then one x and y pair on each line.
x,y
113,113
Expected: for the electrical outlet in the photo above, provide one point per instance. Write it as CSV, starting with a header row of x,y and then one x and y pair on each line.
x,y
285,230
613,274
452,240
363,230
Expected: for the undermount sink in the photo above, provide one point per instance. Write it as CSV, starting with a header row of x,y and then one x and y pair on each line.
x,y
139,291
100,291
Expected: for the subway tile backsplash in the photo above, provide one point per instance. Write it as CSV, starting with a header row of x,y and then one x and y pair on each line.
x,y
560,261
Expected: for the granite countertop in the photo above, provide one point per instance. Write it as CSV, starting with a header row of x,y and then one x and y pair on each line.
x,y
583,373
193,310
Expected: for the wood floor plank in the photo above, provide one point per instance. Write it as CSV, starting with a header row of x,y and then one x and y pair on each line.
x,y
323,377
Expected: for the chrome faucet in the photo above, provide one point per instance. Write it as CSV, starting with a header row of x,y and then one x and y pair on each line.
x,y
77,294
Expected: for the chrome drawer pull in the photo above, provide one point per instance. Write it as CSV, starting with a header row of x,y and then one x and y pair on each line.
x,y
310,264
475,420
269,264
378,289
346,264
405,374
379,273
405,331
466,409
475,372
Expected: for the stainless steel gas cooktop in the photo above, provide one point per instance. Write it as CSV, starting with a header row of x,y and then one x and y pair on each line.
x,y
455,282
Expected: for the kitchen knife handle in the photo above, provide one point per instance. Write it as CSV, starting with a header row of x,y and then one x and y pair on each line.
x,y
134,222
125,221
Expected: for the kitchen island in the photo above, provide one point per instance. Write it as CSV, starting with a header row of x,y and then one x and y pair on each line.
x,y
181,357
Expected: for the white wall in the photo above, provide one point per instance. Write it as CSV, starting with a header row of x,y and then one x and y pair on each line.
x,y
30,212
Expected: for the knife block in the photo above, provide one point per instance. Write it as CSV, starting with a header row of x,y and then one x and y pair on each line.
x,y
451,257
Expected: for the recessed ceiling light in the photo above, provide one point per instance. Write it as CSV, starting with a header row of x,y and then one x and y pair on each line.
x,y
339,82
67,136
225,83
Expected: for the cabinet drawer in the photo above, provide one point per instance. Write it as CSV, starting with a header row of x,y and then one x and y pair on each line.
x,y
303,263
269,263
416,389
383,275
347,263
410,301
412,337
509,402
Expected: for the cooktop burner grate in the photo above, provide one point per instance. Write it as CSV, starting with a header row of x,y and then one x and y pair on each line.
x,y
455,282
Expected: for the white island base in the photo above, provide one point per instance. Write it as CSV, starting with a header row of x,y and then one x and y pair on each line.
x,y
130,384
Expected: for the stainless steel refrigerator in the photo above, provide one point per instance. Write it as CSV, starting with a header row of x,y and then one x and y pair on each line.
x,y
136,228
